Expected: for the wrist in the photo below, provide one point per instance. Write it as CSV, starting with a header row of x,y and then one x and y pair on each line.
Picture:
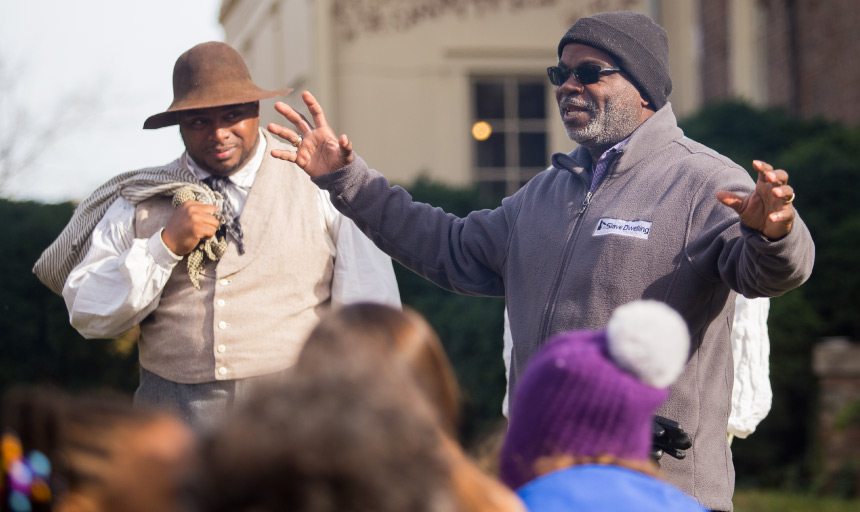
x,y
168,245
161,253
772,236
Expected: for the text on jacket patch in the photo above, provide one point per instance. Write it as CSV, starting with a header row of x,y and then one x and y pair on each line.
x,y
634,228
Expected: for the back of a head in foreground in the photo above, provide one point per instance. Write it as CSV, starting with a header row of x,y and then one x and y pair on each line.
x,y
373,338
308,444
356,336
91,453
590,396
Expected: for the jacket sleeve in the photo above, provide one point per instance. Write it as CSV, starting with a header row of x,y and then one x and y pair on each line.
x,y
723,249
464,255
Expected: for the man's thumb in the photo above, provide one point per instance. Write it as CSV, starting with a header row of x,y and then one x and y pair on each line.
x,y
729,199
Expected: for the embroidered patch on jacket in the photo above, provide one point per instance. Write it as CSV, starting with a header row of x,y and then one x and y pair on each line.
x,y
634,228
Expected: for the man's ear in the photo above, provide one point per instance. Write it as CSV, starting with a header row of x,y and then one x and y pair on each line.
x,y
643,99
647,104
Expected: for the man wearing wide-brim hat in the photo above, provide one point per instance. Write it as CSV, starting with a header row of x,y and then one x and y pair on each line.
x,y
225,257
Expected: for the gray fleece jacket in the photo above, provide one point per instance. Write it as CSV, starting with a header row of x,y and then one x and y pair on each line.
x,y
653,229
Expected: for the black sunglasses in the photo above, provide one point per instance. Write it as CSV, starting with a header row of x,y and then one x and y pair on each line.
x,y
584,73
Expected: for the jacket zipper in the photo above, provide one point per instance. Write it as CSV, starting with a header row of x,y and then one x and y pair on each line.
x,y
549,309
584,205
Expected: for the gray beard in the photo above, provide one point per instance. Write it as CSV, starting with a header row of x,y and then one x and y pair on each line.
x,y
608,127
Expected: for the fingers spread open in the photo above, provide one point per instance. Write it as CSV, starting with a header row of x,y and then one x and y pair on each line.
x,y
298,120
315,109
780,177
785,192
282,132
762,167
284,154
769,174
345,144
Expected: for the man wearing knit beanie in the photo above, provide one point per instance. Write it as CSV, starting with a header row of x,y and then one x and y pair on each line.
x,y
602,110
583,416
639,46
637,211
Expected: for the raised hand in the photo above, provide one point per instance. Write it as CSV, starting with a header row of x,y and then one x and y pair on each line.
x,y
768,209
318,151
190,223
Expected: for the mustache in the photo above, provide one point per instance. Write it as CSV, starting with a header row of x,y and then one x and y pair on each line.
x,y
571,101
218,148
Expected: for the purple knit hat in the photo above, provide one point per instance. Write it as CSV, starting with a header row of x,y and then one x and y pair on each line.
x,y
591,393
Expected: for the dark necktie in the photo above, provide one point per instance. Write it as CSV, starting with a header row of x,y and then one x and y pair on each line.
x,y
231,221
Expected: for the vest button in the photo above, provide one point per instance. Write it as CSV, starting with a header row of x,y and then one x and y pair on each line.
x,y
222,371
222,348
220,302
222,324
224,282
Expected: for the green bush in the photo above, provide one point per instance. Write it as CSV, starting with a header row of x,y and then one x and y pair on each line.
x,y
769,501
37,344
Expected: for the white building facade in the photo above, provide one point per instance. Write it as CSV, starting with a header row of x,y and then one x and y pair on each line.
x,y
408,80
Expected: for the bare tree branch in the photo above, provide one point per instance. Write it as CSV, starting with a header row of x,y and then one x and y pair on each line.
x,y
25,135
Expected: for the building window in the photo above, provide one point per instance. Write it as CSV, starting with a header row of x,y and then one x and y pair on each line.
x,y
509,131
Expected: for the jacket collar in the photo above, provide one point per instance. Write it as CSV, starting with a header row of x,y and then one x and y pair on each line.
x,y
656,132
650,137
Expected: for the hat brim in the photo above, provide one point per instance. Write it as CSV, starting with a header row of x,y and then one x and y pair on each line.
x,y
169,117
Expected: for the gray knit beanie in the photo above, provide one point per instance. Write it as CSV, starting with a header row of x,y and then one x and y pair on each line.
x,y
639,46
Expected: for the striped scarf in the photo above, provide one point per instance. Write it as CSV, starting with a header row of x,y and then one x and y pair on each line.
x,y
70,248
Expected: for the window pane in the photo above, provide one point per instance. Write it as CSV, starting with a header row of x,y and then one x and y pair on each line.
x,y
491,152
489,100
533,149
532,100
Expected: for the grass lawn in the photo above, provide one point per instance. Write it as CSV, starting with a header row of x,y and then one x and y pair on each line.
x,y
774,501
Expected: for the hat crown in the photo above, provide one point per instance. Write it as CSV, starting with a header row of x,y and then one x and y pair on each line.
x,y
209,72
210,75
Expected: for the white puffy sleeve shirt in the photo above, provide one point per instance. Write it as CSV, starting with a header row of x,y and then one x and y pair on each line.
x,y
120,280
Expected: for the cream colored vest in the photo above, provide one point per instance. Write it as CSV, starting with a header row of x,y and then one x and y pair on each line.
x,y
252,312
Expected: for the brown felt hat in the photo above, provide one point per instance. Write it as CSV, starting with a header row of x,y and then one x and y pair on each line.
x,y
210,75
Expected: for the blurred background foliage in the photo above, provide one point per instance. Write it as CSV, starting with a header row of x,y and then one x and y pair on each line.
x,y
823,158
36,341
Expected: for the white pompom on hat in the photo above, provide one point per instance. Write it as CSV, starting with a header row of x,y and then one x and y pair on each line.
x,y
650,340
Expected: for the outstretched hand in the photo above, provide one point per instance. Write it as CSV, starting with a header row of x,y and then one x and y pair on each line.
x,y
768,209
318,151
